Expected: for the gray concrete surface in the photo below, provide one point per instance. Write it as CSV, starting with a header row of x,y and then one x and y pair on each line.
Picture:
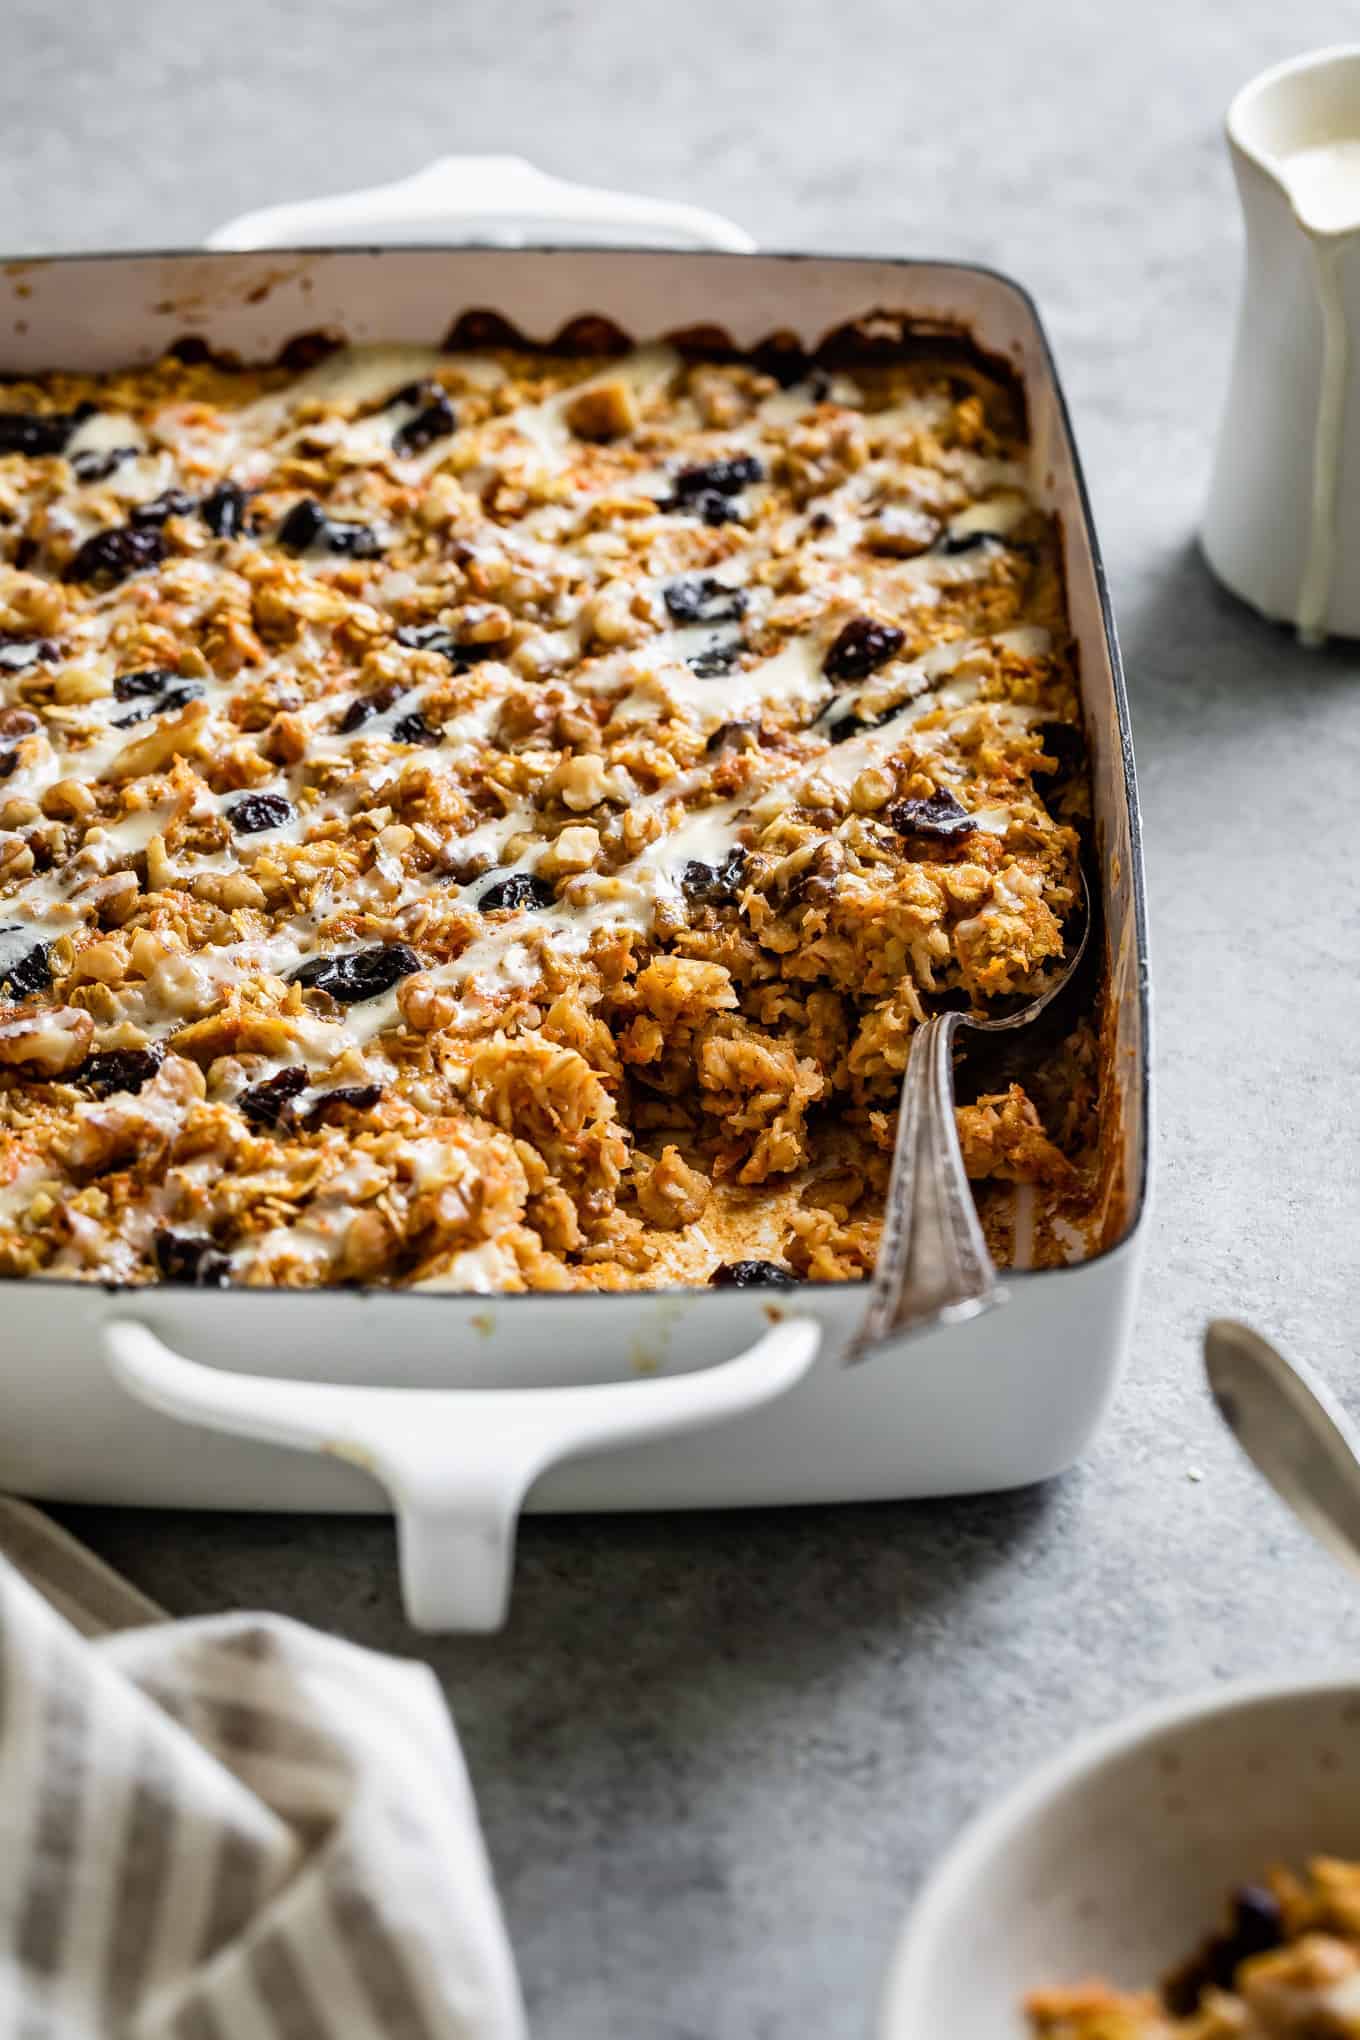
x,y
715,1756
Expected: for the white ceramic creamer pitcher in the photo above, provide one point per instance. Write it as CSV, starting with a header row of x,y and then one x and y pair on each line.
x,y
1282,527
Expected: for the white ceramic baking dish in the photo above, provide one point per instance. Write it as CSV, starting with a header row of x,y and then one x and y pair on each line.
x,y
461,1407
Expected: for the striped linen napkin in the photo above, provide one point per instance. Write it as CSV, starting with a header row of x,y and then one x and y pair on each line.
x,y
227,1829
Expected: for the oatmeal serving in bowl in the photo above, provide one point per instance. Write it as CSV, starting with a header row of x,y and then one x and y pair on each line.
x,y
1286,1967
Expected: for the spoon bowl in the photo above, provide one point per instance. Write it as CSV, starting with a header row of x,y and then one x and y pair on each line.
x,y
933,1263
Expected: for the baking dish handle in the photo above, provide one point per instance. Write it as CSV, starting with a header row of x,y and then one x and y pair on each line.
x,y
498,200
457,1463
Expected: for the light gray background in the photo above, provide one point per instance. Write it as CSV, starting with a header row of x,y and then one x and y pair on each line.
x,y
715,1756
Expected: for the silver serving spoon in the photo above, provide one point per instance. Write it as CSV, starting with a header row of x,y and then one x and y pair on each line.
x,y
1292,1430
933,1266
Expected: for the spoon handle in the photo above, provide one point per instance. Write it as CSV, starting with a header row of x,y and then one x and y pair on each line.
x,y
1292,1430
933,1264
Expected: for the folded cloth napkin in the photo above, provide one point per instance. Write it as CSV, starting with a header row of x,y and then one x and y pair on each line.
x,y
227,1829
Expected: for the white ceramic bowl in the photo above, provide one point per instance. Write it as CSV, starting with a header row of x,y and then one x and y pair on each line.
x,y
1116,1859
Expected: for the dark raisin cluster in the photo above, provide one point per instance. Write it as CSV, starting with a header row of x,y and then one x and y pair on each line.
x,y
699,598
111,556
750,1275
367,974
30,972
224,510
257,811
119,1069
434,419
190,1258
939,817
861,648
414,729
714,885
708,491
307,528
36,432
716,659
433,637
270,1103
521,889
156,690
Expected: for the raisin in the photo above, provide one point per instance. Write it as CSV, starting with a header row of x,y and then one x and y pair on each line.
x,y
224,510
110,556
714,885
861,648
428,637
433,637
712,507
435,418
939,816
307,527
303,527
521,889
119,1069
30,971
170,503
839,728
413,729
356,541
734,736
750,1275
1256,1927
259,811
363,709
783,358
715,659
270,1103
365,975
35,432
969,541
1063,743
699,598
718,478
173,697
150,680
17,653
97,467
192,1258
358,1097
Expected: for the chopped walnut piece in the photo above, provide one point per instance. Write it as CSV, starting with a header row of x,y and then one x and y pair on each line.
x,y
50,1041
606,410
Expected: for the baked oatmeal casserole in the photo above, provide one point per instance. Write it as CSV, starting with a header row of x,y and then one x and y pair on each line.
x,y
1286,1968
491,819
